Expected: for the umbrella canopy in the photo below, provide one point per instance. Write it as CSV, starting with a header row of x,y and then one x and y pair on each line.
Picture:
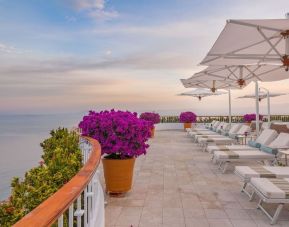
x,y
245,42
211,78
262,95
201,92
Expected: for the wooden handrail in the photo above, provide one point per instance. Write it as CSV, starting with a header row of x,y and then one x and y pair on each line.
x,y
48,211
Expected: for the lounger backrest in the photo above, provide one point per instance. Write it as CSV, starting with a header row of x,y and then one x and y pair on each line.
x,y
213,122
234,128
280,127
253,125
282,140
243,129
226,126
220,126
266,137
216,124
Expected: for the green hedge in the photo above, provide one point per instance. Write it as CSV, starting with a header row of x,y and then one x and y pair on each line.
x,y
62,159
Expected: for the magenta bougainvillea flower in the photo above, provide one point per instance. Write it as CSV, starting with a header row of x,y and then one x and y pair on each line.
x,y
188,117
154,118
251,117
121,133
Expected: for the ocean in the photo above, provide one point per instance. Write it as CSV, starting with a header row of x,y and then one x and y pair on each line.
x,y
20,136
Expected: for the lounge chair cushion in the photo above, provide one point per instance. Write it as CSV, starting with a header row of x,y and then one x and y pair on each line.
x,y
252,143
281,141
234,128
267,136
243,154
269,188
248,172
269,150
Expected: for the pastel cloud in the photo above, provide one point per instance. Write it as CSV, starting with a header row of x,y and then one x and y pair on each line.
x,y
95,9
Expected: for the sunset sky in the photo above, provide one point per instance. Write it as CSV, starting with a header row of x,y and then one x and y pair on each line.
x,y
62,56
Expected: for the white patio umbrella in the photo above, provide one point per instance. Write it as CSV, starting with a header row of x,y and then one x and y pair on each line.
x,y
246,42
201,93
212,79
263,95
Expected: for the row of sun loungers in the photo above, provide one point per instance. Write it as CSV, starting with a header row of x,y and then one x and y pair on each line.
x,y
269,182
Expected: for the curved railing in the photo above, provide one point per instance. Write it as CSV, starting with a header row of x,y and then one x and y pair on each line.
x,y
80,201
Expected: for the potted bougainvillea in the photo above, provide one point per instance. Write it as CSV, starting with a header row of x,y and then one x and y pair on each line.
x,y
188,118
123,138
152,118
248,118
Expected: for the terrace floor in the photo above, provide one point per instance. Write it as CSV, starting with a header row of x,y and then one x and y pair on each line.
x,y
176,185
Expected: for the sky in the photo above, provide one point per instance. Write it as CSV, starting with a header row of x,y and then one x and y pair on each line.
x,y
63,56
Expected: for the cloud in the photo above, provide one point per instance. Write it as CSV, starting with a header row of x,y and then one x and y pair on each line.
x,y
95,9
8,49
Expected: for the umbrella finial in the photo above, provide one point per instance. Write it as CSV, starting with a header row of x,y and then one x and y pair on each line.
x,y
241,82
200,98
213,89
285,61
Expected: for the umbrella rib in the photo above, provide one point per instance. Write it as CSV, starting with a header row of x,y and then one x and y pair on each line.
x,y
268,41
254,25
269,71
232,52
253,73
268,52
231,73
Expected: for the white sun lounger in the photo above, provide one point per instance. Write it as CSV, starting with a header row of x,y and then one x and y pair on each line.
x,y
265,138
274,191
248,172
223,127
222,140
202,129
267,153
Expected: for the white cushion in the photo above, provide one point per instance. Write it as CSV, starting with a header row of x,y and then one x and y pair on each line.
x,y
268,189
234,128
243,129
281,141
211,149
245,154
220,126
246,172
267,136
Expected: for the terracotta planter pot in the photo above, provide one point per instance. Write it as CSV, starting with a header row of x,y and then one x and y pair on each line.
x,y
152,132
118,174
187,125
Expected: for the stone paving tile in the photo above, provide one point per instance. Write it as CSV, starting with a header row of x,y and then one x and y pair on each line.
x,y
176,185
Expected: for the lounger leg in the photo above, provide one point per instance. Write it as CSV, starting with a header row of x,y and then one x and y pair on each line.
x,y
277,213
252,196
260,204
204,147
225,167
244,187
220,165
273,219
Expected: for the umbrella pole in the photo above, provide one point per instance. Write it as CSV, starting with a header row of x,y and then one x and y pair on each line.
x,y
230,108
269,108
257,107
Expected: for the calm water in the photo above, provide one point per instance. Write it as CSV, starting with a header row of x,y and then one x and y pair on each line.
x,y
20,136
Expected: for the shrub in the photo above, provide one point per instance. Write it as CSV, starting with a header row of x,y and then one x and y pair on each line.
x,y
121,134
251,117
154,118
62,159
188,117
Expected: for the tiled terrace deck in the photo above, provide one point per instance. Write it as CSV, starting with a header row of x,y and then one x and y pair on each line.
x,y
176,185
